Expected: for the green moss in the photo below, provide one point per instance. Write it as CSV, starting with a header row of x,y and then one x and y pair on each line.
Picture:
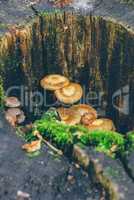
x,y
64,135
130,141
104,140
54,130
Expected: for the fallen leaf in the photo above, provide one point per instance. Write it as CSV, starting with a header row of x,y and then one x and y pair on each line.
x,y
33,146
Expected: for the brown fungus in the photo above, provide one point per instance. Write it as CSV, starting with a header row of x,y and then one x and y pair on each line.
x,y
84,109
54,82
69,94
12,102
15,116
69,116
102,124
88,118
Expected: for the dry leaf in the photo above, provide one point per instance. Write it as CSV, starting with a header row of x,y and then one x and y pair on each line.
x,y
33,146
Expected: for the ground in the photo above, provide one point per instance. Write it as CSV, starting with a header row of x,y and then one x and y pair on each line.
x,y
43,177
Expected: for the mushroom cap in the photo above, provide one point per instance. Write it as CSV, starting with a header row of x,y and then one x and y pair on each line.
x,y
88,118
12,102
14,111
69,116
84,109
102,124
54,82
69,94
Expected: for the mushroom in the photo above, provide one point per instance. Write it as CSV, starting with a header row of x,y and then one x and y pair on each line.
x,y
11,115
54,82
69,116
14,111
12,102
14,116
88,118
84,109
69,94
102,124
11,119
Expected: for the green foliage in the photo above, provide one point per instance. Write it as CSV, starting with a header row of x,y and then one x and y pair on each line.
x,y
130,141
61,134
54,130
104,140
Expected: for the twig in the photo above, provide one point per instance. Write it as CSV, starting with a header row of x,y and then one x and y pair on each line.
x,y
59,152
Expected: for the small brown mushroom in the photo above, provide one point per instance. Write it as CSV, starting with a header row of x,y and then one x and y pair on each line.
x,y
69,94
12,102
84,109
69,116
14,111
11,119
54,82
11,115
14,116
102,124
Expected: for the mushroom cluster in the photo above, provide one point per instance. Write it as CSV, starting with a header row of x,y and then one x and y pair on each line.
x,y
69,93
14,115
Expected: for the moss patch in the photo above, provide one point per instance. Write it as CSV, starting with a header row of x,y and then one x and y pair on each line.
x,y
64,135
